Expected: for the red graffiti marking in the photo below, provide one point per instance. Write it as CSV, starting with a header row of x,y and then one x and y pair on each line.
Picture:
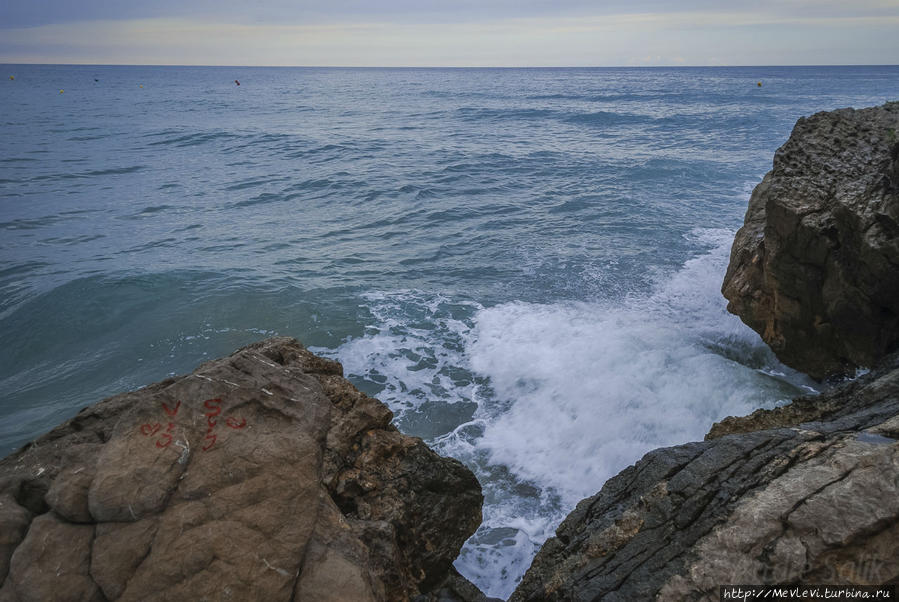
x,y
150,429
233,423
166,436
214,409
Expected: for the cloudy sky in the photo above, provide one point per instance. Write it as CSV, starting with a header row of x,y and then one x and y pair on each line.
x,y
450,33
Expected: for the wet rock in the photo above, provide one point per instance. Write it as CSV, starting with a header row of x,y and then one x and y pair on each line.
x,y
874,392
455,588
815,268
261,476
814,500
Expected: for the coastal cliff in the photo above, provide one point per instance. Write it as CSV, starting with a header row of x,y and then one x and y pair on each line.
x,y
813,269
260,476
805,493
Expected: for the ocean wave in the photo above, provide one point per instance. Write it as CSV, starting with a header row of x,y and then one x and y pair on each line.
x,y
605,118
260,199
255,182
494,114
88,138
88,337
182,139
94,173
325,152
72,240
36,223
151,209
600,98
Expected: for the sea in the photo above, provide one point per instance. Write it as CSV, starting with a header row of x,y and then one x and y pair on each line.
x,y
523,264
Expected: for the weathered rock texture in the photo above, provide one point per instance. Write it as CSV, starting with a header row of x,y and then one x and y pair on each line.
x,y
261,476
814,500
815,268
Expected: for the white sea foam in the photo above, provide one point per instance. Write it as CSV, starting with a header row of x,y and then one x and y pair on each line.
x,y
568,394
413,351
594,386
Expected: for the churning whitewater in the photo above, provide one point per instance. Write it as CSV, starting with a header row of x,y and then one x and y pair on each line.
x,y
553,399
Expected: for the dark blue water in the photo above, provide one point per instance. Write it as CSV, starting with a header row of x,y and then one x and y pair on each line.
x,y
523,263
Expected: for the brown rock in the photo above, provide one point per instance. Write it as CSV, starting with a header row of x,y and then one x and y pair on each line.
x,y
815,268
14,521
53,562
261,476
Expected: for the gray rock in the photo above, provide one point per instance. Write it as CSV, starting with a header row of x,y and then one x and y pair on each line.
x,y
815,500
261,476
815,268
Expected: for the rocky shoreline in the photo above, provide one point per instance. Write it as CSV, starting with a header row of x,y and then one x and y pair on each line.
x,y
805,493
266,475
812,498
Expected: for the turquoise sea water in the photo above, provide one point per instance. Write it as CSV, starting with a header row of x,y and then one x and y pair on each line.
x,y
523,264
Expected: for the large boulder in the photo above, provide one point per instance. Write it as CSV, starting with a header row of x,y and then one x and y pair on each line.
x,y
261,476
815,268
815,499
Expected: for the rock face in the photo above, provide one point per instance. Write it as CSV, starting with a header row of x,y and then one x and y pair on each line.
x,y
261,476
814,500
815,268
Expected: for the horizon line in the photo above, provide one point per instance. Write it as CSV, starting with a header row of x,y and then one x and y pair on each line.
x,y
451,66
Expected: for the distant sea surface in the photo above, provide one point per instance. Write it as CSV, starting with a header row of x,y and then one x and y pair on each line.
x,y
524,264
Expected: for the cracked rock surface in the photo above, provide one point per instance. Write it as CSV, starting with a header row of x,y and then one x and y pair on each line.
x,y
815,267
814,500
261,476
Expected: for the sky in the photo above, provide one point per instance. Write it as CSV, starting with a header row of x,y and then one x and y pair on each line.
x,y
420,33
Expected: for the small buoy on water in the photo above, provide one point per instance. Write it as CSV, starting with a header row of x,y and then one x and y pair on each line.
x,y
61,91
141,85
759,84
12,77
236,82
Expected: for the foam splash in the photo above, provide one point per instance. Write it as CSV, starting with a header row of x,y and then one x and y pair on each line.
x,y
564,395
413,353
596,386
